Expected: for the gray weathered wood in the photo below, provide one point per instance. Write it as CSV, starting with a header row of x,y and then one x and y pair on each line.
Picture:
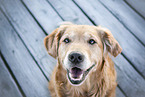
x,y
132,48
25,69
69,11
128,79
30,33
119,93
39,5
138,5
8,87
44,12
127,16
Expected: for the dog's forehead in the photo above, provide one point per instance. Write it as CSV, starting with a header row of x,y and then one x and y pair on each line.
x,y
81,29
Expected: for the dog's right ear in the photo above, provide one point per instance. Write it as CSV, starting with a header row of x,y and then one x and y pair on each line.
x,y
51,41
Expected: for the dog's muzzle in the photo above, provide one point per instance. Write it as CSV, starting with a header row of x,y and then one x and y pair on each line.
x,y
75,74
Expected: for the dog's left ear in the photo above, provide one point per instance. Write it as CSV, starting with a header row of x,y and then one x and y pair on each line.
x,y
51,41
110,42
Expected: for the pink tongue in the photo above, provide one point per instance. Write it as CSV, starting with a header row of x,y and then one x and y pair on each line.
x,y
76,72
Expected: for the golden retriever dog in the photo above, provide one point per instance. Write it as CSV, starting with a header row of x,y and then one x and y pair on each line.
x,y
84,68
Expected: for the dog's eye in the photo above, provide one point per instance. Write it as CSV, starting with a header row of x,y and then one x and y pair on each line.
x,y
91,41
66,40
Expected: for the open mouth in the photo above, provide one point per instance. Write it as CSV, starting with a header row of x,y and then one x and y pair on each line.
x,y
76,75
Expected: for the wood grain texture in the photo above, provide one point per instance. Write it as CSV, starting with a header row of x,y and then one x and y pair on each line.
x,y
119,93
8,87
128,79
69,11
30,32
44,14
128,17
24,68
74,15
132,48
138,5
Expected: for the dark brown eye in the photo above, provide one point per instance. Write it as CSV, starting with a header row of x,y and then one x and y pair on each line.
x,y
66,40
91,41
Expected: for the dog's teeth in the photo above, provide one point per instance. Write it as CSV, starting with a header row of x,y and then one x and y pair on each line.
x,y
70,75
76,79
81,76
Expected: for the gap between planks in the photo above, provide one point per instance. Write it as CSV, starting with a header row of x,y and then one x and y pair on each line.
x,y
123,24
26,47
12,75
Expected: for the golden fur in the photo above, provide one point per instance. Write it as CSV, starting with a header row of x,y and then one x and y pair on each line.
x,y
101,80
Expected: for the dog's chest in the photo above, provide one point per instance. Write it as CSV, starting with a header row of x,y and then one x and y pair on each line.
x,y
84,91
77,92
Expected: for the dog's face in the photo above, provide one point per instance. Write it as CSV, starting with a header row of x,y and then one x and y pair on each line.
x,y
79,48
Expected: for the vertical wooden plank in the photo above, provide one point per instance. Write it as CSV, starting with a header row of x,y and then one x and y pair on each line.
x,y
24,68
8,87
30,32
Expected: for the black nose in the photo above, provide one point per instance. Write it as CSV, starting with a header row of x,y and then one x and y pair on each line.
x,y
76,58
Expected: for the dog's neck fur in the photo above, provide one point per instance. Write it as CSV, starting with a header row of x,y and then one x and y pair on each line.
x,y
88,87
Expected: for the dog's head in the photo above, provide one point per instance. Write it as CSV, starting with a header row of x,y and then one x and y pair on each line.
x,y
79,48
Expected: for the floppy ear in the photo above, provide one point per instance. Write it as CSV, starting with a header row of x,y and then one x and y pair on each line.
x,y
110,42
51,42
